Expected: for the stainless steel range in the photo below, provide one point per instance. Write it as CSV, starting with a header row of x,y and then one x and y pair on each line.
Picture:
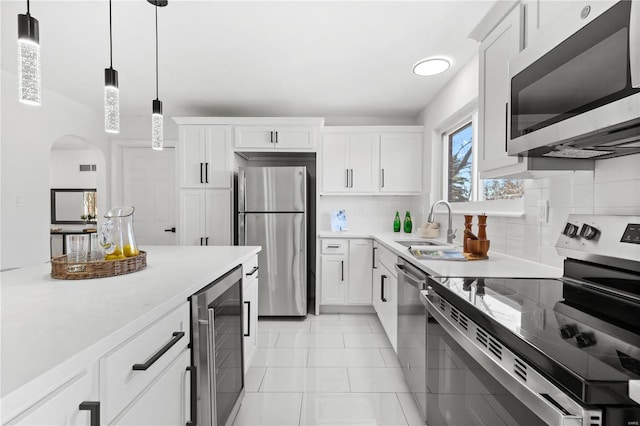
x,y
529,351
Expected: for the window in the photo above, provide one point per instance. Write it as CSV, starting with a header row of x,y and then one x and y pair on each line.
x,y
462,183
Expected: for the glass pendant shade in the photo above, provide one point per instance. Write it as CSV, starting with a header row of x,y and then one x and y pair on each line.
x,y
157,123
28,60
111,101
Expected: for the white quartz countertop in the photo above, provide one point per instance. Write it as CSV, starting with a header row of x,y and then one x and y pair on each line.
x,y
48,322
498,265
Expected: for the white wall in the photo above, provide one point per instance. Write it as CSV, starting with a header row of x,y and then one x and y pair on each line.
x,y
27,134
64,169
613,188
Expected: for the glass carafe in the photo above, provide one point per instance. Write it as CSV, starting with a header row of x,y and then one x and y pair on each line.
x,y
116,235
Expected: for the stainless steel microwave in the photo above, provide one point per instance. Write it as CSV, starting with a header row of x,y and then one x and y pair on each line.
x,y
579,98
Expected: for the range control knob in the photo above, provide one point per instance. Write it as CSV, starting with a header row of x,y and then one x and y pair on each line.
x,y
584,340
570,230
588,232
567,331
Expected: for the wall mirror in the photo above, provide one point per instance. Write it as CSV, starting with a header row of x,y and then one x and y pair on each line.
x,y
74,206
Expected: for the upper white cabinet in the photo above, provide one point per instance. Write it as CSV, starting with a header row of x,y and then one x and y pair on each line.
x,y
371,160
502,44
540,14
401,162
348,162
204,156
288,138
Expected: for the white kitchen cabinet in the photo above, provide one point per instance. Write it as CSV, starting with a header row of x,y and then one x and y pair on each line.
x,y
165,401
250,301
62,406
205,217
503,43
385,293
275,137
540,14
205,156
401,162
349,163
345,267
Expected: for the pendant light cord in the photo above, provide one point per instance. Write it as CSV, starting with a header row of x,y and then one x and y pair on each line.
x,y
156,50
28,8
110,39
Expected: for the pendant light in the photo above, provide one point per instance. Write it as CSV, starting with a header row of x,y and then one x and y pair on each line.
x,y
157,137
111,91
28,59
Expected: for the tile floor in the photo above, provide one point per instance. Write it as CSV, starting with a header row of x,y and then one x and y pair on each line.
x,y
327,369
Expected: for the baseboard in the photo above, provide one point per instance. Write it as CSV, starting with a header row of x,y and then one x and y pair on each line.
x,y
347,309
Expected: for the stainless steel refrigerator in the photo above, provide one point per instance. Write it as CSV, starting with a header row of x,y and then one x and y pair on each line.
x,y
272,203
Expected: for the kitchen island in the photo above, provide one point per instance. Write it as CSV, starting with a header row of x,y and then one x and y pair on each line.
x,y
52,328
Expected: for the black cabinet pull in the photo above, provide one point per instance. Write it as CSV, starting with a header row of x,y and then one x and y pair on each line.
x,y
194,390
253,271
351,171
172,229
201,174
206,241
333,246
383,178
271,140
248,333
201,241
276,137
206,172
93,407
347,172
177,335
506,127
342,270
382,277
373,258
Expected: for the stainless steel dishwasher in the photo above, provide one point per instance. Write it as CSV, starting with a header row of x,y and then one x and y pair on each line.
x,y
412,330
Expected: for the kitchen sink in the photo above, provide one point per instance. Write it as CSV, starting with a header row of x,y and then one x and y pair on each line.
x,y
437,245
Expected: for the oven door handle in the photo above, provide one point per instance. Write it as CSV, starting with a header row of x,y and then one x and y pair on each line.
x,y
634,44
211,361
543,406
411,279
634,390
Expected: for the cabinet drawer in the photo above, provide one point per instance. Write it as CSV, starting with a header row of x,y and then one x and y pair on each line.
x,y
249,271
387,258
334,246
119,382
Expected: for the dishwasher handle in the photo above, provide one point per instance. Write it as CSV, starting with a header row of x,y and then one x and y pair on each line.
x,y
416,282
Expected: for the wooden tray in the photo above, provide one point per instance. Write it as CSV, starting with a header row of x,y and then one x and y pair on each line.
x,y
62,269
471,256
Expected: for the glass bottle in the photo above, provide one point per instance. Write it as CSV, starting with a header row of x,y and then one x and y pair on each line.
x,y
408,225
396,223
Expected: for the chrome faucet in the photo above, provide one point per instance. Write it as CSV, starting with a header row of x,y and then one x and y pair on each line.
x,y
451,233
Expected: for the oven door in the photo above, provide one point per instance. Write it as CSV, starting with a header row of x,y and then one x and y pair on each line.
x,y
583,85
472,383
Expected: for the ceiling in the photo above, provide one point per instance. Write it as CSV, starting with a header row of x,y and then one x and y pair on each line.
x,y
240,58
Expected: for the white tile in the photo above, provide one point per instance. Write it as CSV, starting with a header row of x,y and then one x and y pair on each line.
x,y
377,380
280,357
390,357
266,409
352,357
305,380
269,325
352,409
323,317
253,378
615,169
410,408
362,340
337,326
310,340
376,327
267,340
357,318
618,194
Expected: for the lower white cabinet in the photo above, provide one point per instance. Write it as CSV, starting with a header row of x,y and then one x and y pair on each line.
x,y
344,270
250,317
165,401
385,293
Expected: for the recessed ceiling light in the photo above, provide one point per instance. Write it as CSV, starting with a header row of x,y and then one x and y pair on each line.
x,y
431,66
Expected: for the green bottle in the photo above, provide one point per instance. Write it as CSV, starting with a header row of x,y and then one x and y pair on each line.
x,y
396,223
407,223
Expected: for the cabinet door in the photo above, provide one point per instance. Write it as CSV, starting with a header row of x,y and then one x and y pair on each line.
x,y
218,217
363,162
165,401
335,157
360,264
388,306
401,162
255,137
62,406
191,156
250,323
333,270
295,138
191,229
375,292
218,157
504,42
